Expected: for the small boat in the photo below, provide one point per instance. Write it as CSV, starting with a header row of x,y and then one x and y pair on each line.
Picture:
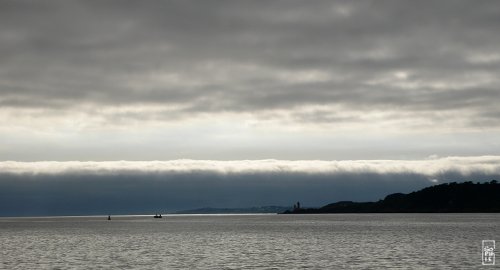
x,y
158,216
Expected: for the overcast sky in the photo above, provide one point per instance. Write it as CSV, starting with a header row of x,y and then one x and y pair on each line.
x,y
142,80
248,80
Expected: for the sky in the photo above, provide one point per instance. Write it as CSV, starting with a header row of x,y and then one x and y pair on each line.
x,y
120,93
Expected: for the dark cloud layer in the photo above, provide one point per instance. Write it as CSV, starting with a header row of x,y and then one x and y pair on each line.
x,y
126,193
421,57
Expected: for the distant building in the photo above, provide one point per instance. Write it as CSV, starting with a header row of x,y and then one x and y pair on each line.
x,y
296,206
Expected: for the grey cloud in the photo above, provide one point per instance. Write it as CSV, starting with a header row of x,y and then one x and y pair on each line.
x,y
63,54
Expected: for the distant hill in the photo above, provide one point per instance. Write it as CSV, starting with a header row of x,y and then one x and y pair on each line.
x,y
453,197
250,210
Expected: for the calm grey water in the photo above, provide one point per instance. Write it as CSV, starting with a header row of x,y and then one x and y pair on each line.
x,y
340,241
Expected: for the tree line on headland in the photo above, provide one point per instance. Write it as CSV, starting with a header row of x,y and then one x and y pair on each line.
x,y
465,197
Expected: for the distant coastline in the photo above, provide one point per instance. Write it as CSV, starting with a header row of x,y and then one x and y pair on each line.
x,y
452,197
248,210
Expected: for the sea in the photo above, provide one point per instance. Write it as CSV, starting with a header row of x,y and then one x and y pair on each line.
x,y
252,241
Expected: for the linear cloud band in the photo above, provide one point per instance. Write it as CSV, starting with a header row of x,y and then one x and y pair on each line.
x,y
83,188
428,167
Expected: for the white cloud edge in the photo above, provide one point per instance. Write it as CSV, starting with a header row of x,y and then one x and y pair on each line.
x,y
429,167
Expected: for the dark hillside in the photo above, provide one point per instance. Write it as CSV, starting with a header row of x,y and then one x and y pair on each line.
x,y
453,197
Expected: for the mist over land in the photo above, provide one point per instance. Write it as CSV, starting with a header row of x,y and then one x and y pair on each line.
x,y
124,187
